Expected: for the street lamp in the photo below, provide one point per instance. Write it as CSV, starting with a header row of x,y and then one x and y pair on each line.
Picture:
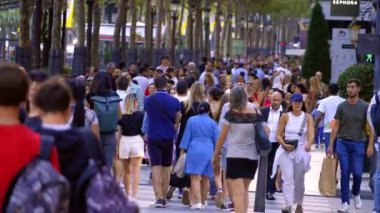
x,y
354,28
207,29
174,6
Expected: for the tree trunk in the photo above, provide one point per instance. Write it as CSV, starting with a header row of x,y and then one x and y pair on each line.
x,y
95,35
119,24
168,35
133,9
180,22
24,40
80,20
48,27
189,28
229,28
148,21
36,34
160,17
57,22
198,25
218,28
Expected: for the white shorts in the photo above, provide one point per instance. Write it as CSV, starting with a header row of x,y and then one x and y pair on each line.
x,y
131,147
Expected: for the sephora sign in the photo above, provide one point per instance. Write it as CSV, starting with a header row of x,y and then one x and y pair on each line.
x,y
345,8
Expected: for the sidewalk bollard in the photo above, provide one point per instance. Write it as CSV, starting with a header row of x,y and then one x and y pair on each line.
x,y
261,184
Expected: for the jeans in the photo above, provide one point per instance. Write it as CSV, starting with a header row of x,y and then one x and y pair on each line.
x,y
108,144
351,158
376,179
318,138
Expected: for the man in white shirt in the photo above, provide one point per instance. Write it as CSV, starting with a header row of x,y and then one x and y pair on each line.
x,y
165,63
327,109
142,79
272,116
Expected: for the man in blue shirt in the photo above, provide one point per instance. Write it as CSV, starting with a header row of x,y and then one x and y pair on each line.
x,y
163,111
239,71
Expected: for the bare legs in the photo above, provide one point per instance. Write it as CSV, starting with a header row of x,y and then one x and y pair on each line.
x,y
240,193
200,186
160,178
132,169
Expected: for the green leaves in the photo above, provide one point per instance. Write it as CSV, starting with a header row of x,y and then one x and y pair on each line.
x,y
363,72
317,55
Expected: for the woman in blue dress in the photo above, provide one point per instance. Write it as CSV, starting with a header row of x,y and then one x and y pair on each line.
x,y
198,142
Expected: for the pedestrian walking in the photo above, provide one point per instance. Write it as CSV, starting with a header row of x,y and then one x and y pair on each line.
x,y
350,129
198,143
327,110
105,102
242,157
272,115
130,147
163,112
18,144
295,134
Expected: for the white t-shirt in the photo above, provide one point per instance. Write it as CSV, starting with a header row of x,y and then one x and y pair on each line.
x,y
142,81
277,81
122,94
328,107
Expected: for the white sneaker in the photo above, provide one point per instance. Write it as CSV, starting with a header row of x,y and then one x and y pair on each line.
x,y
358,202
197,206
345,207
204,205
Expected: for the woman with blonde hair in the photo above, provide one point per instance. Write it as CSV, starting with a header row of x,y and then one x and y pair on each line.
x,y
314,86
130,148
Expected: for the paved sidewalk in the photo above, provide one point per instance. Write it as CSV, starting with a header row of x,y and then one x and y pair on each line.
x,y
314,203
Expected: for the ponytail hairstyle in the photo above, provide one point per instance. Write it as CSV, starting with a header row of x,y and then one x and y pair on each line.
x,y
78,89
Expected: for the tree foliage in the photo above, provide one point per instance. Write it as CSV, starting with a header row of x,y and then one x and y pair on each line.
x,y
317,55
363,72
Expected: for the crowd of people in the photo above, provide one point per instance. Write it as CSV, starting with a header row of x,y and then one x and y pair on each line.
x,y
198,117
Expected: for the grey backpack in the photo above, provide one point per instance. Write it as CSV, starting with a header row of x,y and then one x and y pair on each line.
x,y
38,187
101,192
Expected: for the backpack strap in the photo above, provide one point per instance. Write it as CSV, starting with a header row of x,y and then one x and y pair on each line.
x,y
47,142
377,97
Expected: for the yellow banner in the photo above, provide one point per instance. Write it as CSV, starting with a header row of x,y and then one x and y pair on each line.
x,y
70,14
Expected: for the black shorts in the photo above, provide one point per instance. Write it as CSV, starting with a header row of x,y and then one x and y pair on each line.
x,y
241,168
160,152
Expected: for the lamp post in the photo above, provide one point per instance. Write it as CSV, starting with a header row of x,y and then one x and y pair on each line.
x,y
90,4
207,29
174,6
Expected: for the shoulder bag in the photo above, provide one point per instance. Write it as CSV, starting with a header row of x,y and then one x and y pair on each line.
x,y
294,143
263,145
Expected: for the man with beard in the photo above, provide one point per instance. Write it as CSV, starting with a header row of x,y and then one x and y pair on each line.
x,y
350,128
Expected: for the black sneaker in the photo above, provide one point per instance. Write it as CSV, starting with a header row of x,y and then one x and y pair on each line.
x,y
158,204
164,203
270,196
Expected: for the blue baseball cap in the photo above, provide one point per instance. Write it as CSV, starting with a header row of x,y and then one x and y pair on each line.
x,y
297,97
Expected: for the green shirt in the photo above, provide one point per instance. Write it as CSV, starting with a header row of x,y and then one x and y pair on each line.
x,y
353,120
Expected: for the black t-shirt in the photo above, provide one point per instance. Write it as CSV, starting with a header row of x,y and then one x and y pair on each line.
x,y
131,124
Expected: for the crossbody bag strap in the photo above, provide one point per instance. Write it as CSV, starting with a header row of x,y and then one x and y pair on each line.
x,y
303,124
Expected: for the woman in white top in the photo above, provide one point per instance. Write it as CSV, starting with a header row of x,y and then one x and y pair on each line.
x,y
295,127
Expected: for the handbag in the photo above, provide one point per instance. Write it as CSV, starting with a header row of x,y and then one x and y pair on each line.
x,y
263,145
294,143
179,168
327,178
